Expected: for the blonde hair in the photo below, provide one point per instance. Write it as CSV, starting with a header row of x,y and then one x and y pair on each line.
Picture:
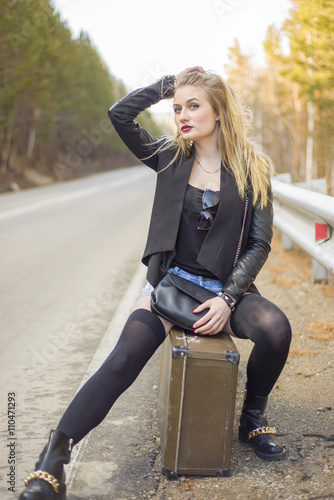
x,y
237,151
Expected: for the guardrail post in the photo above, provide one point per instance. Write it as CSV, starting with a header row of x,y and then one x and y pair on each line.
x,y
318,272
287,242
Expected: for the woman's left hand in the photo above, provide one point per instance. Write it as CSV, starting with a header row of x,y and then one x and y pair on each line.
x,y
215,319
191,70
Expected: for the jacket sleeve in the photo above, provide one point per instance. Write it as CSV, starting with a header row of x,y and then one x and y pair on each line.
x,y
122,115
256,253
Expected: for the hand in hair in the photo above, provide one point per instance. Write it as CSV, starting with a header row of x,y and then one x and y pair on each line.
x,y
191,70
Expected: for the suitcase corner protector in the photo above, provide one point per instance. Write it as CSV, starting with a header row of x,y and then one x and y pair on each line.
x,y
224,473
169,473
233,357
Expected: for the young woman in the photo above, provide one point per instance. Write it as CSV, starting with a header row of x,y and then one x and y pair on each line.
x,y
211,223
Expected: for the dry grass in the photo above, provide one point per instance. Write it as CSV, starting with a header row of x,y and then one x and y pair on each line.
x,y
285,283
328,291
323,331
295,265
297,353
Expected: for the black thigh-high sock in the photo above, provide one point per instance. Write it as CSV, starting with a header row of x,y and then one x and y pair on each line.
x,y
141,336
267,326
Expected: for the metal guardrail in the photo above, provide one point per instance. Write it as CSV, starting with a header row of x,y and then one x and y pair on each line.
x,y
307,218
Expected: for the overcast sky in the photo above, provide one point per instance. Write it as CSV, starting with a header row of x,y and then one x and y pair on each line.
x,y
141,40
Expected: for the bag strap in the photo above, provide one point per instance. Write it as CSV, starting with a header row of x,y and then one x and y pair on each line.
x,y
241,233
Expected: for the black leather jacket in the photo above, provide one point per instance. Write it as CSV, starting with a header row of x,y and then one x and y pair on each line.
x,y
225,236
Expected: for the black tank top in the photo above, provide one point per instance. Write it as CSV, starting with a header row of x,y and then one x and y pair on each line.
x,y
190,239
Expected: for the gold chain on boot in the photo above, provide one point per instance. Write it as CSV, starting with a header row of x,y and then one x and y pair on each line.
x,y
261,430
40,474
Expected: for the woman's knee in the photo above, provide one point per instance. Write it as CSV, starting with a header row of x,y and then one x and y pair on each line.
x,y
275,331
117,364
283,333
263,322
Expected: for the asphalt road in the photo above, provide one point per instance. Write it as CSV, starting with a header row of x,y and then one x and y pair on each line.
x,y
68,252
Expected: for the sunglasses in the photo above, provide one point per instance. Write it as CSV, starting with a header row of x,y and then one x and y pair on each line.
x,y
209,200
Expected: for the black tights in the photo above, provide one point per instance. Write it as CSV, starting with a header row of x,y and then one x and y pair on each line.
x,y
141,336
254,317
266,325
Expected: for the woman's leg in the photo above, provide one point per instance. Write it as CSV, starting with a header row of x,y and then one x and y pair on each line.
x,y
141,336
259,320
266,325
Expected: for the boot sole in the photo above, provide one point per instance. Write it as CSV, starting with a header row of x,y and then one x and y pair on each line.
x,y
47,493
271,458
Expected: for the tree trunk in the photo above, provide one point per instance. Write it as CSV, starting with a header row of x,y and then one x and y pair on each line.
x,y
31,141
310,140
6,152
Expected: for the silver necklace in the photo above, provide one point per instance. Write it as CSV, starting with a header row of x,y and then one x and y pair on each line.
x,y
207,171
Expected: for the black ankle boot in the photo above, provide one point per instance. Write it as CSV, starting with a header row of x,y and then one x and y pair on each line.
x,y
48,480
254,428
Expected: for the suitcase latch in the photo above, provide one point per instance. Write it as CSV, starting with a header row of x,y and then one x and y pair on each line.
x,y
179,351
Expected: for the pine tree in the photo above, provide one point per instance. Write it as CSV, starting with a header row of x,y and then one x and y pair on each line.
x,y
54,95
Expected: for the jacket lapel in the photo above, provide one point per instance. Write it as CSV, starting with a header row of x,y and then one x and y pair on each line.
x,y
225,229
176,196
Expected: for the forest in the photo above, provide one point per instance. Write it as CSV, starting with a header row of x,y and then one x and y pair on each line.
x,y
292,96
54,90
54,94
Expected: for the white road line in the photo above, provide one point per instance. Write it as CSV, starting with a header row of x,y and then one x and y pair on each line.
x,y
6,214
107,344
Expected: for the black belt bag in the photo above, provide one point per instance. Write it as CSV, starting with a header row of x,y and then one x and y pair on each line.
x,y
175,299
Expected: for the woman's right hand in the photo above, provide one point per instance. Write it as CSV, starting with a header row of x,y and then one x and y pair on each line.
x,y
191,70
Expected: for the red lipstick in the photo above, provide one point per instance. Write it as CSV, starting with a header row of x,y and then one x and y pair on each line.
x,y
186,128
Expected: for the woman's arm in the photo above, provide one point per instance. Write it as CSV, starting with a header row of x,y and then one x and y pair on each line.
x,y
123,113
253,258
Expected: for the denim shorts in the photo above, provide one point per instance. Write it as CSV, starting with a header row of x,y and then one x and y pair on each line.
x,y
208,283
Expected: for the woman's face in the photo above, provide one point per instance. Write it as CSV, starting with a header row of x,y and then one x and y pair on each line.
x,y
193,114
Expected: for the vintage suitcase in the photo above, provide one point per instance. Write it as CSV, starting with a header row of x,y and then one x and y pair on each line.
x,y
196,400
